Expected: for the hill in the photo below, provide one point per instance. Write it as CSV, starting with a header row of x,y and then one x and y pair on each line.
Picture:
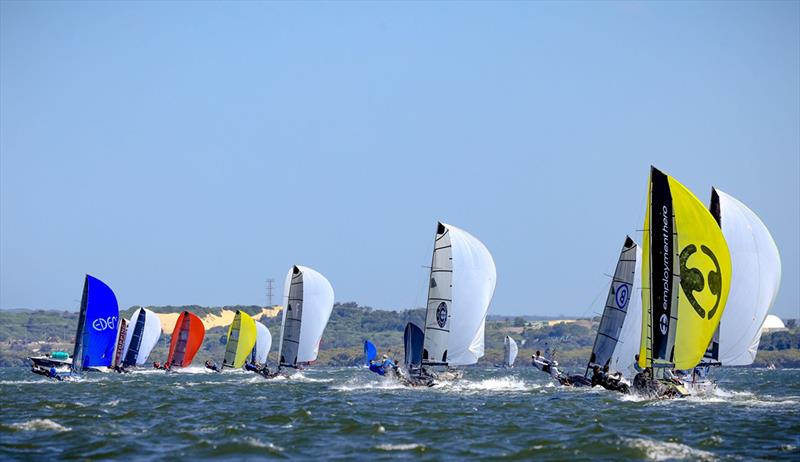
x,y
27,332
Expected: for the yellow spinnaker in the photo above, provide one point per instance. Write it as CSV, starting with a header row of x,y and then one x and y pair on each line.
x,y
241,340
683,246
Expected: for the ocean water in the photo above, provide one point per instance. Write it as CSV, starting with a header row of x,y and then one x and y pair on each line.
x,y
351,414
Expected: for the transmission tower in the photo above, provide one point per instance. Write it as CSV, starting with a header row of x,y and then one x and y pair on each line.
x,y
269,291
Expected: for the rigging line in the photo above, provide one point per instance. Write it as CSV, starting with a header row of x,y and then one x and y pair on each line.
x,y
600,293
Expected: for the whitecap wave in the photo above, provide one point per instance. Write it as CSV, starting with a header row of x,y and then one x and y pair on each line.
x,y
360,384
40,425
193,370
400,447
502,384
660,450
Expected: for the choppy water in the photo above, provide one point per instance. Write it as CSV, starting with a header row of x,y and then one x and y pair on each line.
x,y
351,414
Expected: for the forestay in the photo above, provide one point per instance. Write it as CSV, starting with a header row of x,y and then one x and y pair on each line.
x,y
142,336
755,279
461,286
97,326
609,332
308,301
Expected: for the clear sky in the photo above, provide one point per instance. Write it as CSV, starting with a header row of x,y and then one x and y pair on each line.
x,y
186,152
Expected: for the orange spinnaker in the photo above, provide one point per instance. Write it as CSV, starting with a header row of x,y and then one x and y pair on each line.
x,y
186,340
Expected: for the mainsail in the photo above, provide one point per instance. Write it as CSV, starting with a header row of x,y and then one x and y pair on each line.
x,y
755,279
308,301
686,276
615,314
413,338
263,344
461,285
97,326
141,338
187,336
510,350
120,343
240,341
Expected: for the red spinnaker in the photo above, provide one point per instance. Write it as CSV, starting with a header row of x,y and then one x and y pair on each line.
x,y
186,340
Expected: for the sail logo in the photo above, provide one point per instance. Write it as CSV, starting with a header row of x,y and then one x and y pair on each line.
x,y
663,324
622,295
694,284
441,314
101,324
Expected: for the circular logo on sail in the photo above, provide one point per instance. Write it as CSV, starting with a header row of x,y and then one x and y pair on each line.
x,y
101,324
662,324
441,314
694,284
621,297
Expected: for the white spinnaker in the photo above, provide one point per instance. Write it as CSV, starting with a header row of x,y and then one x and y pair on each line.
x,y
755,280
317,306
474,279
150,334
511,349
631,333
263,343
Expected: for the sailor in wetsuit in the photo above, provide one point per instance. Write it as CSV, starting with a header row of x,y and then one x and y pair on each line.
x,y
382,367
545,365
212,365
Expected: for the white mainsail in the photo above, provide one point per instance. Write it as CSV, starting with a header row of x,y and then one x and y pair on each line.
x,y
510,350
755,280
462,282
308,301
263,344
619,332
630,336
144,330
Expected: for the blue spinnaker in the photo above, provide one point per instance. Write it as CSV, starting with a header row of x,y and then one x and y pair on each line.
x,y
370,352
97,326
413,339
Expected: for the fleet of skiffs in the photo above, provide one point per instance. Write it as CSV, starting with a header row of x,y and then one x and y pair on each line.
x,y
694,295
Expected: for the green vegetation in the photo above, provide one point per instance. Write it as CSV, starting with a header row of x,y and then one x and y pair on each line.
x,y
27,332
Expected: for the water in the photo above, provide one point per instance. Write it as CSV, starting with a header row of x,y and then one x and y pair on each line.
x,y
351,414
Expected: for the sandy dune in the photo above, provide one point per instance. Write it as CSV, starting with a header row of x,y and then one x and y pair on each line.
x,y
211,320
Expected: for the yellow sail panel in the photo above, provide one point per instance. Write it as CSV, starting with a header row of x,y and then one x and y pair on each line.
x,y
241,340
705,275
645,349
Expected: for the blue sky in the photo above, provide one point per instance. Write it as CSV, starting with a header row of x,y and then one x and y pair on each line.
x,y
186,152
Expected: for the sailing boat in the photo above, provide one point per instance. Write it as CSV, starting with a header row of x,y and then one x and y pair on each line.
x,y
308,298
755,280
95,337
187,336
461,286
619,332
142,338
510,350
686,277
240,341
